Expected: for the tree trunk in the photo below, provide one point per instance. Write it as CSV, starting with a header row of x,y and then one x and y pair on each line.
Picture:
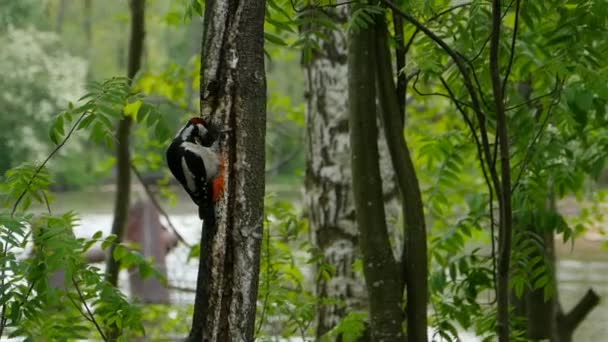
x,y
545,318
382,276
415,256
328,196
233,97
123,157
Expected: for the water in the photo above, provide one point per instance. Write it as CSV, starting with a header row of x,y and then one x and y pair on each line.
x,y
575,276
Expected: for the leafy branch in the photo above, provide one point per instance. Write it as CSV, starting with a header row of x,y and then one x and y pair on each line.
x,y
89,316
48,158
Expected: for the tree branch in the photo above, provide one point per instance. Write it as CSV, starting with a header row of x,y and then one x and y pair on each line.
x,y
48,158
453,98
512,51
91,315
572,319
400,55
157,205
505,211
530,150
465,73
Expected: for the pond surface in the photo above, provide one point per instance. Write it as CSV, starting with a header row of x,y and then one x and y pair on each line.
x,y
580,268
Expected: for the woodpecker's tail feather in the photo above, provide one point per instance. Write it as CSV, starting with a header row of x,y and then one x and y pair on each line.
x,y
207,214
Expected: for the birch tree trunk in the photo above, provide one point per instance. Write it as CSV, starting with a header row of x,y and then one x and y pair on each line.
x,y
328,196
233,97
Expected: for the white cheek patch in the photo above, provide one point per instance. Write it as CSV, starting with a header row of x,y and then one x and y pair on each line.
x,y
186,132
189,176
209,158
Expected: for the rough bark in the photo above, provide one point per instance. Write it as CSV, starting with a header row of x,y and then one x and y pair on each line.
x,y
415,256
123,156
233,97
328,196
380,269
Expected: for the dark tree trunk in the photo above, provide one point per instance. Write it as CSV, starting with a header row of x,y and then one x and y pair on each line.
x,y
123,157
545,317
233,97
415,256
382,275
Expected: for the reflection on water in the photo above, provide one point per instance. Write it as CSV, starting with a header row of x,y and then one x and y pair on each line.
x,y
575,276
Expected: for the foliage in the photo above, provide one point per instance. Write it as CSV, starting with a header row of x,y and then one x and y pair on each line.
x,y
556,105
287,302
47,286
39,77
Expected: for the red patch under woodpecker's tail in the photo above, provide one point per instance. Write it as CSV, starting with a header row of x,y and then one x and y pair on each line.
x,y
219,181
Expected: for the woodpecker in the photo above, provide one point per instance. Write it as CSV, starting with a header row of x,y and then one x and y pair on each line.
x,y
194,159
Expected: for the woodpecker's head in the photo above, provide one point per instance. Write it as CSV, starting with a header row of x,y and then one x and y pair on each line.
x,y
198,131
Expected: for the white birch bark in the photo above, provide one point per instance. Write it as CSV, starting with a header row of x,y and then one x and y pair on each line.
x,y
328,194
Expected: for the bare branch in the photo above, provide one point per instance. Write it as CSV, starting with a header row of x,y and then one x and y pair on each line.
x,y
453,98
157,205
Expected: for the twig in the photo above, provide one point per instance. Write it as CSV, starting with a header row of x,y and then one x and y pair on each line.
x,y
283,161
86,306
483,170
46,201
400,55
512,51
454,99
469,123
312,7
181,289
519,105
468,83
157,205
57,148
535,140
433,18
483,46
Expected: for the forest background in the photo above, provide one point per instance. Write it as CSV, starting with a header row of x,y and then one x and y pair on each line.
x,y
312,277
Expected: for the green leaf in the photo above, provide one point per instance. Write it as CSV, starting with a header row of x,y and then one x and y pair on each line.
x,y
57,129
131,109
274,39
